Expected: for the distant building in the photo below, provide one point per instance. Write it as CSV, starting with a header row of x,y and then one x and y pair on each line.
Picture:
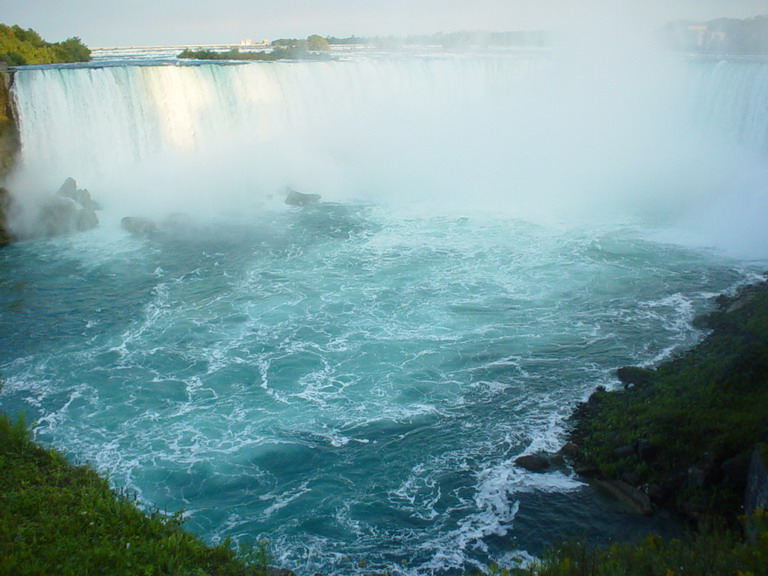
x,y
250,43
704,37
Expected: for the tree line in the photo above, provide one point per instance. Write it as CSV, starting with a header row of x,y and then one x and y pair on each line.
x,y
19,47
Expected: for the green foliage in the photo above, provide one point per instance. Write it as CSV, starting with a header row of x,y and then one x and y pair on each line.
x,y
285,52
695,413
317,43
20,47
56,518
711,552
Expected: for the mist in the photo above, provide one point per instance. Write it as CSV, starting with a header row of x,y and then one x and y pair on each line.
x,y
591,131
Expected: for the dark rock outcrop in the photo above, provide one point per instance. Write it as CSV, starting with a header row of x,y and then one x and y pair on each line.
x,y
69,210
295,198
81,196
534,462
9,137
138,226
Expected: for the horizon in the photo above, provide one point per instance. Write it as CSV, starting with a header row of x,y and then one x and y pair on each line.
x,y
190,22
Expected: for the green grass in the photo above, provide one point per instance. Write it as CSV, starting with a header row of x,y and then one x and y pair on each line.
x,y
60,519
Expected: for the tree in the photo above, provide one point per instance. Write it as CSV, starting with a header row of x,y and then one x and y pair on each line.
x,y
317,43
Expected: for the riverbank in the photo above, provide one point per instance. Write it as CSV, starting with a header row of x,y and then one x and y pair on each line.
x,y
690,435
60,518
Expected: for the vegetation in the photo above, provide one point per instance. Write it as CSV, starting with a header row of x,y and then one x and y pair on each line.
x,y
685,432
57,518
20,47
278,53
706,553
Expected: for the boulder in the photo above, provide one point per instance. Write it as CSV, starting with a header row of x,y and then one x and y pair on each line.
x,y
634,376
630,496
5,205
80,195
138,226
295,198
534,462
570,450
57,216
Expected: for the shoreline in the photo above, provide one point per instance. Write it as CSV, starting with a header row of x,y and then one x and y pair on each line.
x,y
679,437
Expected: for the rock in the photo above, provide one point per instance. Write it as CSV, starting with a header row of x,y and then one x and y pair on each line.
x,y
624,451
569,450
87,220
58,215
736,470
756,493
138,226
534,462
70,190
634,376
630,496
5,206
586,470
295,198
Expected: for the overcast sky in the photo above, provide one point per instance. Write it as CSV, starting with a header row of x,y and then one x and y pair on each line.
x,y
161,22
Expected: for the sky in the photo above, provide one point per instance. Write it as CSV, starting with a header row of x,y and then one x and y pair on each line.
x,y
173,22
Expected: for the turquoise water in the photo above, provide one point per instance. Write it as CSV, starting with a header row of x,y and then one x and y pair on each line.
x,y
353,380
344,380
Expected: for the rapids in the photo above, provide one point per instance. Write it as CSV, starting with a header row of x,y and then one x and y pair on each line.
x,y
352,380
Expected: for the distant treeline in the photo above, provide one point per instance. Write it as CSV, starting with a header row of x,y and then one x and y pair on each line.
x,y
313,48
289,53
721,36
19,47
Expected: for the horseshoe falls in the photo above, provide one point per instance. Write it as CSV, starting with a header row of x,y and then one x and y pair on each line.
x,y
353,379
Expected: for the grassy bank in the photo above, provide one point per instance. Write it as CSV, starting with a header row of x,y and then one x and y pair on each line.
x,y
684,433
60,519
682,436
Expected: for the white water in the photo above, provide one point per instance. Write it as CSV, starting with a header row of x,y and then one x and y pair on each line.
x,y
353,381
526,134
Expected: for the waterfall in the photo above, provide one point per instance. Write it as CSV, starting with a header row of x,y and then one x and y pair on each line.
x,y
531,133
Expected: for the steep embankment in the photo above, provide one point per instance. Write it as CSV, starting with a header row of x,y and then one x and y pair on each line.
x,y
683,435
57,518
9,145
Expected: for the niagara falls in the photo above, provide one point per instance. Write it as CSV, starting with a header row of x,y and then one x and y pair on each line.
x,y
481,238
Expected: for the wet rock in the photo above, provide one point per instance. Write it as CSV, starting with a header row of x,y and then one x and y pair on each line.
x,y
295,198
138,226
5,205
80,195
634,498
534,462
634,376
570,450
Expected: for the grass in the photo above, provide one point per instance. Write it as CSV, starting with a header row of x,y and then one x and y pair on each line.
x,y
62,519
